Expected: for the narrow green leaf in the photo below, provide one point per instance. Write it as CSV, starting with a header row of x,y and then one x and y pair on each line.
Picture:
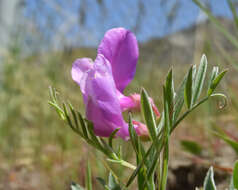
x,y
166,134
89,178
228,140
83,125
102,182
53,102
169,88
77,128
214,73
161,123
209,183
155,152
215,82
200,77
152,166
112,184
75,186
139,150
74,115
155,145
191,146
96,140
231,186
68,118
148,114
133,136
179,100
165,166
188,91
235,175
59,111
119,151
113,134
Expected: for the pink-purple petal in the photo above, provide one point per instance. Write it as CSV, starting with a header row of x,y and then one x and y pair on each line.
x,y
102,106
79,71
120,47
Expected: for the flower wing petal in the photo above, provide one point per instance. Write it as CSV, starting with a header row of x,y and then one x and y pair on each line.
x,y
79,71
103,107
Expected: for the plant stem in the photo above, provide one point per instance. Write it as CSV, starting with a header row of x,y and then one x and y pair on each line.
x,y
127,164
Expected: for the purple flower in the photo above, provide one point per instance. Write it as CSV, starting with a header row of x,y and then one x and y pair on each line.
x,y
102,83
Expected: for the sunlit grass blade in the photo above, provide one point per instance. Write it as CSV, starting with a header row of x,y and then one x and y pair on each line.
x,y
219,26
215,82
89,178
188,91
228,140
228,58
200,77
148,114
234,13
209,183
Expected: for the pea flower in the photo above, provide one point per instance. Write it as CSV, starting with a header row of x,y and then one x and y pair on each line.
x,y
102,83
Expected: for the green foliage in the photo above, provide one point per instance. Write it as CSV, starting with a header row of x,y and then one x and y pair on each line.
x,y
76,187
156,156
232,143
89,178
209,183
235,175
200,77
191,146
112,183
148,114
218,25
189,88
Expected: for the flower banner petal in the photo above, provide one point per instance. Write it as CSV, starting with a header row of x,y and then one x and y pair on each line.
x,y
120,47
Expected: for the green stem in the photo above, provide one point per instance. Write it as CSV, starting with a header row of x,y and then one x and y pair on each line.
x,y
127,164
187,112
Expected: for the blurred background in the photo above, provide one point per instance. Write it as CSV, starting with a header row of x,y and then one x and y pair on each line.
x,y
39,40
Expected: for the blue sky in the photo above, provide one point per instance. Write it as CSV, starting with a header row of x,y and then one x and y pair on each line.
x,y
121,13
